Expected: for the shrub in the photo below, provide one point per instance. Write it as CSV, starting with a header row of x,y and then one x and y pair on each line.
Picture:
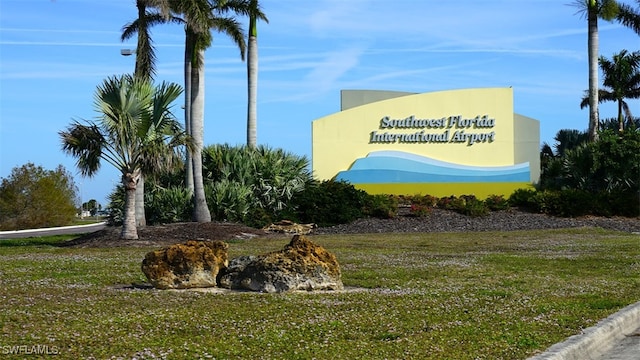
x,y
274,176
610,164
116,206
565,203
622,203
424,200
523,198
163,206
381,206
32,197
446,202
465,204
229,200
496,202
420,210
328,203
473,207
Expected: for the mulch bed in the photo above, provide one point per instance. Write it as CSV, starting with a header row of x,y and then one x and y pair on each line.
x,y
438,221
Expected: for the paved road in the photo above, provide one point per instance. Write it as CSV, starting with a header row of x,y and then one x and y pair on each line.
x,y
64,230
627,348
615,338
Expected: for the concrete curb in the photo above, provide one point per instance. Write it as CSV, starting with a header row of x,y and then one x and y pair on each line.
x,y
594,341
62,230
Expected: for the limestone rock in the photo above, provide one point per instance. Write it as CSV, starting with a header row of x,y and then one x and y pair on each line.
x,y
290,227
301,265
188,265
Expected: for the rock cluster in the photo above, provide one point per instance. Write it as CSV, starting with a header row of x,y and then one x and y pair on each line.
x,y
301,265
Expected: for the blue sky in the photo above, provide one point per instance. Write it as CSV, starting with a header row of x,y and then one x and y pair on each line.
x,y
53,54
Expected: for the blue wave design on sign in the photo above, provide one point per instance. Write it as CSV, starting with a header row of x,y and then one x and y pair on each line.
x,y
385,167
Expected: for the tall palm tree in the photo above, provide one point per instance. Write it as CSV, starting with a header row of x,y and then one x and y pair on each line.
x,y
621,77
141,26
595,9
200,17
145,65
255,14
135,130
629,17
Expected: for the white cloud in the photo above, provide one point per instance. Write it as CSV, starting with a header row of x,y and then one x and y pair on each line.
x,y
332,68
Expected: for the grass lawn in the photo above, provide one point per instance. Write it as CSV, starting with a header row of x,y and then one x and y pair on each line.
x,y
494,295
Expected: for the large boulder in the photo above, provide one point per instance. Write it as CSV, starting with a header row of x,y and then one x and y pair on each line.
x,y
192,264
301,265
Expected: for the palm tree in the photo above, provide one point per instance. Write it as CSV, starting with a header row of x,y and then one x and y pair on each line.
x,y
135,130
145,51
621,77
145,66
594,9
569,139
629,17
255,14
200,17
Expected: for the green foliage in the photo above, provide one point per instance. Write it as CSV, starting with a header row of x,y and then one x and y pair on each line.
x,y
381,206
425,200
167,205
599,178
32,197
496,202
116,205
329,203
566,203
229,200
610,164
522,198
253,186
244,179
420,210
466,204
92,206
618,160
620,203
576,202
473,206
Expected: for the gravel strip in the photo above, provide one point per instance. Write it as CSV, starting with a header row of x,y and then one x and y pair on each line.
x,y
508,220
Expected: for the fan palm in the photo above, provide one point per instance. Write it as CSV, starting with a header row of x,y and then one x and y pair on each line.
x,y
621,79
135,130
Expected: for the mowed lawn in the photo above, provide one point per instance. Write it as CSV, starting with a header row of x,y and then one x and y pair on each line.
x,y
486,295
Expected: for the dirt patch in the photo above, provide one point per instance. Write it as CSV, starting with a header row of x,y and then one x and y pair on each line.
x,y
169,234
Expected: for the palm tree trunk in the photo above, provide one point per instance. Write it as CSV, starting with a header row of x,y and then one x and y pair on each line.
x,y
252,85
200,211
593,69
620,117
129,230
141,220
188,64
